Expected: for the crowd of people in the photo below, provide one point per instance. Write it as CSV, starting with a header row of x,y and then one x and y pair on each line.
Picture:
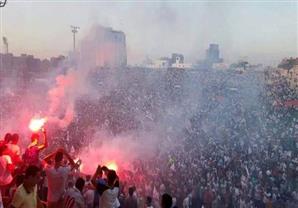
x,y
29,181
234,153
236,156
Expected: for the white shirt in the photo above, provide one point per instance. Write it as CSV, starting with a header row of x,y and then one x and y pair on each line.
x,y
5,175
242,204
22,199
186,202
77,196
109,198
89,196
56,182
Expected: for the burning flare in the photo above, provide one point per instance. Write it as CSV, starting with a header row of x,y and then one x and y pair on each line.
x,y
112,166
36,124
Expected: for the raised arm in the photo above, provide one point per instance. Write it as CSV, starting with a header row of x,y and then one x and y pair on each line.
x,y
48,158
45,144
72,163
95,175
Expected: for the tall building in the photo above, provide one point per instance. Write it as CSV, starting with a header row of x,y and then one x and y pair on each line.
x,y
104,47
212,54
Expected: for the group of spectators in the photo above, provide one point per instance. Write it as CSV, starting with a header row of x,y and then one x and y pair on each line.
x,y
29,181
232,154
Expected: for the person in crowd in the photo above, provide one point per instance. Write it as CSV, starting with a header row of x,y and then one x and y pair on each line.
x,y
131,201
89,194
166,201
6,139
43,186
149,202
26,194
13,145
6,170
31,155
88,180
14,149
196,197
97,180
174,202
187,201
208,197
57,177
105,172
74,196
108,190
19,180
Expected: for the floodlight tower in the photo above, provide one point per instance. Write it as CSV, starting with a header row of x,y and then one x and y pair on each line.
x,y
74,30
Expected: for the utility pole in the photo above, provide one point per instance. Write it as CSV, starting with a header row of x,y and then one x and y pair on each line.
x,y
74,30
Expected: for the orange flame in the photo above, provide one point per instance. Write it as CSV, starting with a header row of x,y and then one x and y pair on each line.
x,y
112,166
36,124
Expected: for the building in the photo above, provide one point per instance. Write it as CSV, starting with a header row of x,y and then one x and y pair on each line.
x,y
104,47
213,55
176,61
21,71
56,61
163,62
212,59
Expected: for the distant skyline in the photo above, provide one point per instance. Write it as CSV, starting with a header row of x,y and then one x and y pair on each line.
x,y
260,31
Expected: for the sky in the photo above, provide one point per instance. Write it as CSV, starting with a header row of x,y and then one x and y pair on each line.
x,y
257,31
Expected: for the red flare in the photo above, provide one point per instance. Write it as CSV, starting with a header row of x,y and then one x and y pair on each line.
x,y
112,166
36,124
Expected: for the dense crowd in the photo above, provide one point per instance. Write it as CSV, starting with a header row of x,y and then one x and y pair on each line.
x,y
248,159
230,155
55,181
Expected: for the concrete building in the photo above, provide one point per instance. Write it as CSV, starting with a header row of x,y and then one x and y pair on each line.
x,y
21,71
176,61
213,54
163,62
104,47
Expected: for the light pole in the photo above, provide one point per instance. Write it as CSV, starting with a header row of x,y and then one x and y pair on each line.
x,y
74,30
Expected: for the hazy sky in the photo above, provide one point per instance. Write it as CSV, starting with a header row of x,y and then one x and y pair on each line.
x,y
262,31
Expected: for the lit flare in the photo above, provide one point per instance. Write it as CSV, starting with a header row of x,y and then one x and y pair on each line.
x,y
112,166
36,124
